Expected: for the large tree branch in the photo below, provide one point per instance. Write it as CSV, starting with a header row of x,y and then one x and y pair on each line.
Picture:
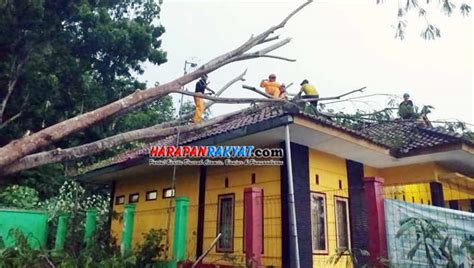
x,y
154,132
92,148
60,155
26,145
208,104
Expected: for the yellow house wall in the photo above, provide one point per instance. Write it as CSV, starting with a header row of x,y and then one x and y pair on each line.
x,y
456,192
267,178
412,182
416,192
330,169
154,214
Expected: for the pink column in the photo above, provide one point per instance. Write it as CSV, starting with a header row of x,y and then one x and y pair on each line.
x,y
373,190
253,226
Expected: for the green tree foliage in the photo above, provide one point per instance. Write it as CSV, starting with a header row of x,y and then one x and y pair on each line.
x,y
59,59
18,197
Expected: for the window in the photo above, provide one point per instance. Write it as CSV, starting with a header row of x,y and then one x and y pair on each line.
x,y
318,223
151,195
168,193
119,200
133,198
342,223
225,223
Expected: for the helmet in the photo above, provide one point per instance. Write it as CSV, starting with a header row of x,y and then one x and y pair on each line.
x,y
272,76
406,95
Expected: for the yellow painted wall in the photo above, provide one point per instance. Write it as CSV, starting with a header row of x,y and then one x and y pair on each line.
x,y
416,193
407,174
412,181
154,214
267,178
330,169
456,192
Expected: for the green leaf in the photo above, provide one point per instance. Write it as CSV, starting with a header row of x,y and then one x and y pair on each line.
x,y
411,253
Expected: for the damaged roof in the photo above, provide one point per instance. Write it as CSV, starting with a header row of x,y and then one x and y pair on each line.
x,y
402,137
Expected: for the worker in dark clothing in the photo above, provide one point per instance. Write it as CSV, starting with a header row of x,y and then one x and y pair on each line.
x,y
310,92
406,110
201,86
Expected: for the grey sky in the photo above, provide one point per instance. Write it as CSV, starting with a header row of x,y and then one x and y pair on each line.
x,y
339,46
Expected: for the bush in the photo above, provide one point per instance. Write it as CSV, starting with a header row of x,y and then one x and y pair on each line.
x,y
151,249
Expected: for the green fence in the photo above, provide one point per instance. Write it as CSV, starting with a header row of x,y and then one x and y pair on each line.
x,y
33,224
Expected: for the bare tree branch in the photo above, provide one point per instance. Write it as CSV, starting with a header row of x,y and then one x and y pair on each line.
x,y
331,98
154,132
269,39
258,91
15,73
19,148
59,155
208,104
9,120
226,100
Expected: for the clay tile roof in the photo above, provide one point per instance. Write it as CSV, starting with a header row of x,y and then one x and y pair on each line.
x,y
404,136
247,118
401,136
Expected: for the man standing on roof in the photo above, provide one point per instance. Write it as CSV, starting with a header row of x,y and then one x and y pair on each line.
x,y
201,86
271,86
310,92
406,109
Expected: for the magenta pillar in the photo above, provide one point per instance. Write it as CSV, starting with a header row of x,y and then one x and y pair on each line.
x,y
253,226
377,246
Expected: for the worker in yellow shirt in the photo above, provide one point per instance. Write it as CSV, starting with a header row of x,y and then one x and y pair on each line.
x,y
310,92
271,86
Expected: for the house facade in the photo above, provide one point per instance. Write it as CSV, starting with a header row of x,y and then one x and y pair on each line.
x,y
329,164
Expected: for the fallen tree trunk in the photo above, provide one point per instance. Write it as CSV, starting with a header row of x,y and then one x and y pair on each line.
x,y
19,148
154,132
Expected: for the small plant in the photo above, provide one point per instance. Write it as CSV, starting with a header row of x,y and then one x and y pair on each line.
x,y
23,255
434,241
352,254
152,248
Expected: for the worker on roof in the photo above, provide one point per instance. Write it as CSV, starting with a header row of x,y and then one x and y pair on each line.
x,y
406,110
271,86
310,92
283,92
201,86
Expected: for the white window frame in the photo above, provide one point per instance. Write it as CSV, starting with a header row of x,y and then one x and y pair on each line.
x,y
326,250
345,200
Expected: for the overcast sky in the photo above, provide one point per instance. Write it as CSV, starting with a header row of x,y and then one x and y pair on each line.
x,y
339,46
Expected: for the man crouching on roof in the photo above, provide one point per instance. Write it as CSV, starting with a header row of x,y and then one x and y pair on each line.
x,y
271,86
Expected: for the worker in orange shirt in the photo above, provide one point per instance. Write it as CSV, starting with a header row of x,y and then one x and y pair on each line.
x,y
271,86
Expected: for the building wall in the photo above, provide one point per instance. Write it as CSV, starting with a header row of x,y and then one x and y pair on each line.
x,y
332,174
411,183
154,214
238,178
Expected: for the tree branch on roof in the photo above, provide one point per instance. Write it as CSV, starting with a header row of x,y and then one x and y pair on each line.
x,y
19,148
60,155
154,132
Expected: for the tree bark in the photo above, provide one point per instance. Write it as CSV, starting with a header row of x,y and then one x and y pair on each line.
x,y
154,132
19,148
59,155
